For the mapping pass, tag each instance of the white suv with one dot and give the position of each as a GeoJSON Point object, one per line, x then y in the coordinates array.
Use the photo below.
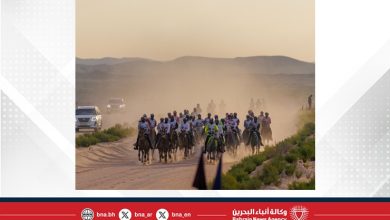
{"type": "Point", "coordinates": [88, 117]}
{"type": "Point", "coordinates": [116, 104]}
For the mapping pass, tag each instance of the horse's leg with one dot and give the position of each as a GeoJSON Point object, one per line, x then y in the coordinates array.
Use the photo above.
{"type": "Point", "coordinates": [146, 156]}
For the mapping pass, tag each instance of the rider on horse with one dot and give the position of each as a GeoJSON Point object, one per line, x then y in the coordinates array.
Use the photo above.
{"type": "Point", "coordinates": [198, 122]}
{"type": "Point", "coordinates": [206, 121]}
{"type": "Point", "coordinates": [152, 122]}
{"type": "Point", "coordinates": [185, 127]}
{"type": "Point", "coordinates": [210, 129]}
{"type": "Point", "coordinates": [237, 123]}
{"type": "Point", "coordinates": [247, 124]}
{"type": "Point", "coordinates": [266, 127]}
{"type": "Point", "coordinates": [143, 126]}
{"type": "Point", "coordinates": [165, 126]}
{"type": "Point", "coordinates": [173, 123]}
{"type": "Point", "coordinates": [221, 134]}
{"type": "Point", "coordinates": [159, 129]}
{"type": "Point", "coordinates": [261, 117]}
{"type": "Point", "coordinates": [254, 126]}
{"type": "Point", "coordinates": [232, 124]}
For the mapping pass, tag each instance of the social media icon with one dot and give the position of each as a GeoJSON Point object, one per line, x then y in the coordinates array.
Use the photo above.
{"type": "Point", "coordinates": [162, 214]}
{"type": "Point", "coordinates": [124, 214]}
{"type": "Point", "coordinates": [87, 214]}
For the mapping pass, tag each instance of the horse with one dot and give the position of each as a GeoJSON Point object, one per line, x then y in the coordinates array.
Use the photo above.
{"type": "Point", "coordinates": [255, 141]}
{"type": "Point", "coordinates": [221, 146]}
{"type": "Point", "coordinates": [143, 148]}
{"type": "Point", "coordinates": [163, 147]}
{"type": "Point", "coordinates": [245, 136]}
{"type": "Point", "coordinates": [231, 141]}
{"type": "Point", "coordinates": [211, 148]}
{"type": "Point", "coordinates": [198, 135]}
{"type": "Point", "coordinates": [174, 143]}
{"type": "Point", "coordinates": [153, 136]}
{"type": "Point", "coordinates": [266, 134]}
{"type": "Point", "coordinates": [184, 143]}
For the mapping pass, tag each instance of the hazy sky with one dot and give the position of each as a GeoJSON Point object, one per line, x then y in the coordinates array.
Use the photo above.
{"type": "Point", "coordinates": [166, 29]}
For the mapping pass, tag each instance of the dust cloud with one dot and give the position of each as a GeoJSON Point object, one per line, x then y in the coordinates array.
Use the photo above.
{"type": "Point", "coordinates": [179, 87]}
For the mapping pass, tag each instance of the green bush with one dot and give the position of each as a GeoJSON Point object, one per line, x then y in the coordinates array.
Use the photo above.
{"type": "Point", "coordinates": [252, 183]}
{"type": "Point", "coordinates": [270, 175]}
{"type": "Point", "coordinates": [229, 182]}
{"type": "Point", "coordinates": [259, 159]}
{"type": "Point", "coordinates": [120, 131]}
{"type": "Point", "coordinates": [291, 158]}
{"type": "Point", "coordinates": [240, 175]}
{"type": "Point", "coordinates": [86, 140]}
{"type": "Point", "coordinates": [280, 158]}
{"type": "Point", "coordinates": [298, 174]}
{"type": "Point", "coordinates": [303, 185]}
{"type": "Point", "coordinates": [109, 135]}
{"type": "Point", "coordinates": [290, 168]}
{"type": "Point", "coordinates": [104, 137]}
{"type": "Point", "coordinates": [307, 151]}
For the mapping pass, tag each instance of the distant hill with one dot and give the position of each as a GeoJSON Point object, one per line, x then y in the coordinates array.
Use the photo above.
{"type": "Point", "coordinates": [107, 61]}
{"type": "Point", "coordinates": [253, 65]}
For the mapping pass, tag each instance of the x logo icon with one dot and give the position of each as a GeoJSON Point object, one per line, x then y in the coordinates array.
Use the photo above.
{"type": "Point", "coordinates": [125, 215]}
{"type": "Point", "coordinates": [162, 215]}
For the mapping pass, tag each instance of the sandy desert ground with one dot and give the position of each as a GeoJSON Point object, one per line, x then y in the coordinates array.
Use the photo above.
{"type": "Point", "coordinates": [116, 166]}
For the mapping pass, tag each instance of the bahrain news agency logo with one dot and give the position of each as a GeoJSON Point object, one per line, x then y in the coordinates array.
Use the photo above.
{"type": "Point", "coordinates": [87, 214]}
{"type": "Point", "coordinates": [299, 213]}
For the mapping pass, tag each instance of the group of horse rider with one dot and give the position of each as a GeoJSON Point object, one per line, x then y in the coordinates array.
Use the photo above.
{"type": "Point", "coordinates": [194, 126]}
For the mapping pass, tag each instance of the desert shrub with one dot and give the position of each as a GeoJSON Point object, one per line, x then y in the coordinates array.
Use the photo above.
{"type": "Point", "coordinates": [86, 140]}
{"type": "Point", "coordinates": [291, 158]}
{"type": "Point", "coordinates": [269, 152]}
{"type": "Point", "coordinates": [229, 182]}
{"type": "Point", "coordinates": [280, 158]}
{"type": "Point", "coordinates": [298, 174]}
{"type": "Point", "coordinates": [104, 137]}
{"type": "Point", "coordinates": [249, 166]}
{"type": "Point", "coordinates": [307, 151]}
{"type": "Point", "coordinates": [240, 175]}
{"type": "Point", "coordinates": [303, 185]}
{"type": "Point", "coordinates": [252, 183]}
{"type": "Point", "coordinates": [259, 159]}
{"type": "Point", "coordinates": [270, 175]}
{"type": "Point", "coordinates": [290, 168]}
{"type": "Point", "coordinates": [109, 135]}
{"type": "Point", "coordinates": [120, 131]}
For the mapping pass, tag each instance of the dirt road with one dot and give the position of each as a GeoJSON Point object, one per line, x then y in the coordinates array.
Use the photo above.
{"type": "Point", "coordinates": [115, 166]}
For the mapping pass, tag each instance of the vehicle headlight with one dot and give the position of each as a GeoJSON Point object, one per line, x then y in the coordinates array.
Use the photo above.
{"type": "Point", "coordinates": [93, 118]}
{"type": "Point", "coordinates": [108, 106]}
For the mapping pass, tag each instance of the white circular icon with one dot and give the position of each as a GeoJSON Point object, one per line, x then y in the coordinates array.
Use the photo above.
{"type": "Point", "coordinates": [162, 214]}
{"type": "Point", "coordinates": [87, 214]}
{"type": "Point", "coordinates": [124, 214]}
